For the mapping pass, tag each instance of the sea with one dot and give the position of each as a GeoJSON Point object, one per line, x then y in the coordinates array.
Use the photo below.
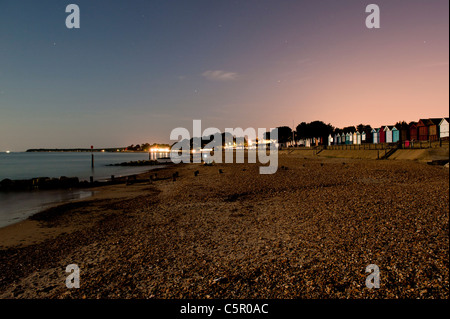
{"type": "Point", "coordinates": [17, 206]}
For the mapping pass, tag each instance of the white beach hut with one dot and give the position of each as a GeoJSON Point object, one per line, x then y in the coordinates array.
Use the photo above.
{"type": "Point", "coordinates": [444, 128]}
{"type": "Point", "coordinates": [363, 137]}
{"type": "Point", "coordinates": [307, 142]}
{"type": "Point", "coordinates": [358, 138]}
{"type": "Point", "coordinates": [388, 130]}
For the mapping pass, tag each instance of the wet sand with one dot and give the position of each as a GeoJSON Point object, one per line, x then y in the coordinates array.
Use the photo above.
{"type": "Point", "coordinates": [308, 231]}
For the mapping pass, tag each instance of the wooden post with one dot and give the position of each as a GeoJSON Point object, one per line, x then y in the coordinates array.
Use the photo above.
{"type": "Point", "coordinates": [92, 156]}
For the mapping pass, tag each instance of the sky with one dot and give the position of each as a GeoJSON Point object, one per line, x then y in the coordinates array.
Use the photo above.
{"type": "Point", "coordinates": [136, 69]}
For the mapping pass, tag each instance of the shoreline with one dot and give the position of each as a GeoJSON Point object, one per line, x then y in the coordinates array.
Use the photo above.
{"type": "Point", "coordinates": [265, 236]}
{"type": "Point", "coordinates": [32, 230]}
{"type": "Point", "coordinates": [94, 187]}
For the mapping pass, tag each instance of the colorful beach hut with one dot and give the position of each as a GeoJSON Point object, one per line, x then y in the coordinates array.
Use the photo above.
{"type": "Point", "coordinates": [348, 137]}
{"type": "Point", "coordinates": [375, 136]}
{"type": "Point", "coordinates": [354, 138]}
{"type": "Point", "coordinates": [395, 135]}
{"type": "Point", "coordinates": [382, 136]}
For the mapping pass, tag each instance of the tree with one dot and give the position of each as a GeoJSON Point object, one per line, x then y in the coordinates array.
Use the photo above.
{"type": "Point", "coordinates": [349, 129]}
{"type": "Point", "coordinates": [284, 134]}
{"type": "Point", "coordinates": [302, 130]}
{"type": "Point", "coordinates": [402, 125]}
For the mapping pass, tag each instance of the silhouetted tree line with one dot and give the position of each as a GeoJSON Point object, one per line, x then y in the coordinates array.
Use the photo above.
{"type": "Point", "coordinates": [144, 147]}
{"type": "Point", "coordinates": [318, 129]}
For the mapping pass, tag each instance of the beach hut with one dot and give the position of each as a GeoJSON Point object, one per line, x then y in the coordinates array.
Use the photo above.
{"type": "Point", "coordinates": [375, 136]}
{"type": "Point", "coordinates": [395, 135]}
{"type": "Point", "coordinates": [358, 138]}
{"type": "Point", "coordinates": [363, 137]}
{"type": "Point", "coordinates": [348, 137]}
{"type": "Point", "coordinates": [422, 129]}
{"type": "Point", "coordinates": [330, 140]}
{"type": "Point", "coordinates": [307, 142]}
{"type": "Point", "coordinates": [382, 136]}
{"type": "Point", "coordinates": [343, 138]}
{"type": "Point", "coordinates": [354, 138]}
{"type": "Point", "coordinates": [433, 129]}
{"type": "Point", "coordinates": [413, 136]}
{"type": "Point", "coordinates": [404, 135]}
{"type": "Point", "coordinates": [388, 132]}
{"type": "Point", "coordinates": [444, 128]}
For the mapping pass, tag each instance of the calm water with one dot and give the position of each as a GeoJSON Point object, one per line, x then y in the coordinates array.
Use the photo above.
{"type": "Point", "coordinates": [17, 206]}
{"type": "Point", "coordinates": [77, 164]}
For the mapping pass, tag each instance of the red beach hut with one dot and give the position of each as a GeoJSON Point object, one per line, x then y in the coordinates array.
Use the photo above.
{"type": "Point", "coordinates": [413, 132]}
{"type": "Point", "coordinates": [382, 134]}
{"type": "Point", "coordinates": [422, 129]}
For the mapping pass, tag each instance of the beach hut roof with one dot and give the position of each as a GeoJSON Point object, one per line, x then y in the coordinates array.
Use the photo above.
{"type": "Point", "coordinates": [445, 119]}
{"type": "Point", "coordinates": [424, 122]}
{"type": "Point", "coordinates": [436, 121]}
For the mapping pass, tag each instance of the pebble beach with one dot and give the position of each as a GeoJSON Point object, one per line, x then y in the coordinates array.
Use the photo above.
{"type": "Point", "coordinates": [308, 231]}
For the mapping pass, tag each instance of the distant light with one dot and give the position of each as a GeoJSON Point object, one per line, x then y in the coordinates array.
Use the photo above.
{"type": "Point", "coordinates": [160, 150]}
{"type": "Point", "coordinates": [7, 152]}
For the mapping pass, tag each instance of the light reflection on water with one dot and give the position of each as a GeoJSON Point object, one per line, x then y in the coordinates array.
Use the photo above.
{"type": "Point", "coordinates": [18, 206]}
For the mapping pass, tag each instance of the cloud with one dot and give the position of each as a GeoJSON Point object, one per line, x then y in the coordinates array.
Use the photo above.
{"type": "Point", "coordinates": [220, 75]}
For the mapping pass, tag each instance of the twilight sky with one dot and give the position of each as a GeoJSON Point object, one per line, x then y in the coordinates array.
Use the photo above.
{"type": "Point", "coordinates": [137, 69]}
